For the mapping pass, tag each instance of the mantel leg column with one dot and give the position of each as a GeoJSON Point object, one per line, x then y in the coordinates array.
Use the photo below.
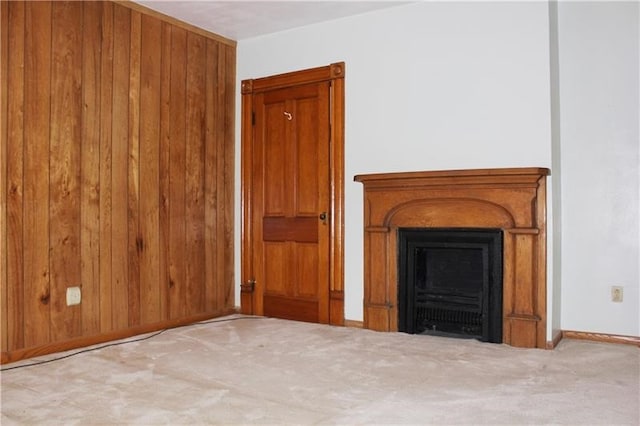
{"type": "Point", "coordinates": [376, 288]}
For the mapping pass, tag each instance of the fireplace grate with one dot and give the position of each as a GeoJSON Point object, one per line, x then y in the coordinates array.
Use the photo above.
{"type": "Point", "coordinates": [447, 320]}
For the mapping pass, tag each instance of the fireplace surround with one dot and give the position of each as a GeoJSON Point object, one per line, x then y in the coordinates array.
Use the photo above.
{"type": "Point", "coordinates": [512, 200]}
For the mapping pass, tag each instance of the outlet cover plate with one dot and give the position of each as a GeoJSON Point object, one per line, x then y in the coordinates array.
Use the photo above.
{"type": "Point", "coordinates": [74, 296]}
{"type": "Point", "coordinates": [617, 294]}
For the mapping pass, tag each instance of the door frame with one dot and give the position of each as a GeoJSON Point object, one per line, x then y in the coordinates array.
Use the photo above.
{"type": "Point", "coordinates": [334, 74]}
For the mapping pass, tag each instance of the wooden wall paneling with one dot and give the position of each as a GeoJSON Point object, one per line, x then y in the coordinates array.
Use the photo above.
{"type": "Point", "coordinates": [211, 248]}
{"type": "Point", "coordinates": [177, 162]}
{"type": "Point", "coordinates": [13, 97]}
{"type": "Point", "coordinates": [164, 170]}
{"type": "Point", "coordinates": [227, 281]}
{"type": "Point", "coordinates": [35, 261]}
{"type": "Point", "coordinates": [120, 167]}
{"type": "Point", "coordinates": [5, 184]}
{"type": "Point", "coordinates": [106, 170]}
{"type": "Point", "coordinates": [134, 160]}
{"type": "Point", "coordinates": [151, 286]}
{"type": "Point", "coordinates": [116, 174]}
{"type": "Point", "coordinates": [4, 23]}
{"type": "Point", "coordinates": [194, 179]}
{"type": "Point", "coordinates": [220, 167]}
{"type": "Point", "coordinates": [64, 167]}
{"type": "Point", "coordinates": [90, 167]}
{"type": "Point", "coordinates": [221, 136]}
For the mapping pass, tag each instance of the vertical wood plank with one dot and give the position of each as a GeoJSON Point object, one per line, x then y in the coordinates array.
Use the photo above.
{"type": "Point", "coordinates": [106, 164]}
{"type": "Point", "coordinates": [177, 246]}
{"type": "Point", "coordinates": [14, 146]}
{"type": "Point", "coordinates": [4, 51]}
{"type": "Point", "coordinates": [64, 171]}
{"type": "Point", "coordinates": [90, 168]}
{"type": "Point", "coordinates": [135, 242]}
{"type": "Point", "coordinates": [120, 167]}
{"type": "Point", "coordinates": [11, 209]}
{"type": "Point", "coordinates": [220, 137]}
{"type": "Point", "coordinates": [229, 164]}
{"type": "Point", "coordinates": [150, 71]}
{"type": "Point", "coordinates": [194, 180]}
{"type": "Point", "coordinates": [164, 169]}
{"type": "Point", "coordinates": [35, 262]}
{"type": "Point", "coordinates": [211, 172]}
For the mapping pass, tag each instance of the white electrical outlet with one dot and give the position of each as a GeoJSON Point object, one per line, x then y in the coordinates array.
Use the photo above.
{"type": "Point", "coordinates": [74, 296]}
{"type": "Point", "coordinates": [616, 293]}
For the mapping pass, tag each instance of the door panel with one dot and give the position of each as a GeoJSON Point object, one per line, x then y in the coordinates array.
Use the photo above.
{"type": "Point", "coordinates": [291, 183]}
{"type": "Point", "coordinates": [275, 170]}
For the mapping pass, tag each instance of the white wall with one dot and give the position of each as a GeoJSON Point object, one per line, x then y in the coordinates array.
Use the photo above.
{"type": "Point", "coordinates": [554, 206]}
{"type": "Point", "coordinates": [429, 86]}
{"type": "Point", "coordinates": [598, 45]}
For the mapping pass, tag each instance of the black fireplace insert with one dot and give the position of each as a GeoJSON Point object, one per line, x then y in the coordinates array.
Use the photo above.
{"type": "Point", "coordinates": [450, 282]}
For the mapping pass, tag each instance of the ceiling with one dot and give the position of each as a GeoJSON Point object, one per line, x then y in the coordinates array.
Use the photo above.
{"type": "Point", "coordinates": [241, 19]}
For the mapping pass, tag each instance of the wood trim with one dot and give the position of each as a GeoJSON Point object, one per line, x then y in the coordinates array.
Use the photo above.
{"type": "Point", "coordinates": [334, 73]}
{"type": "Point", "coordinates": [557, 337]}
{"type": "Point", "coordinates": [336, 161]}
{"type": "Point", "coordinates": [295, 78]}
{"type": "Point", "coordinates": [246, 190]}
{"type": "Point", "coordinates": [173, 21]}
{"type": "Point", "coordinates": [80, 342]}
{"type": "Point", "coordinates": [601, 337]}
{"type": "Point", "coordinates": [479, 176]}
{"type": "Point", "coordinates": [336, 306]}
{"type": "Point", "coordinates": [540, 258]}
{"type": "Point", "coordinates": [353, 323]}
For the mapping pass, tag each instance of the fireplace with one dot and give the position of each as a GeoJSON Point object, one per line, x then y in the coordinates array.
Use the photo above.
{"type": "Point", "coordinates": [450, 282]}
{"type": "Point", "coordinates": [511, 200]}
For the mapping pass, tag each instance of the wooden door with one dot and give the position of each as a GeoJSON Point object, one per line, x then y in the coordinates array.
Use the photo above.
{"type": "Point", "coordinates": [289, 203]}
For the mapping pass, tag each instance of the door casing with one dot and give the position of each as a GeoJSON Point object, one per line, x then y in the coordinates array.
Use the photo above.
{"type": "Point", "coordinates": [334, 74]}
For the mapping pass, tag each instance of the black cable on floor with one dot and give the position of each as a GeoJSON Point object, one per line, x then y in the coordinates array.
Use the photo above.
{"type": "Point", "coordinates": [141, 339]}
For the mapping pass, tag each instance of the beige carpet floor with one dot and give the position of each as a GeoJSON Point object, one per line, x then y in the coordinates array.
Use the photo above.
{"type": "Point", "coordinates": [269, 371]}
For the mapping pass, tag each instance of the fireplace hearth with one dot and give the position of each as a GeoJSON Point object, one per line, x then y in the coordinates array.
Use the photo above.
{"type": "Point", "coordinates": [450, 282]}
{"type": "Point", "coordinates": [512, 200]}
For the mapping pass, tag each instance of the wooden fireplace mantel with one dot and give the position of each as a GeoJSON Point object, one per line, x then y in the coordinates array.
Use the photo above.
{"type": "Point", "coordinates": [513, 200]}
